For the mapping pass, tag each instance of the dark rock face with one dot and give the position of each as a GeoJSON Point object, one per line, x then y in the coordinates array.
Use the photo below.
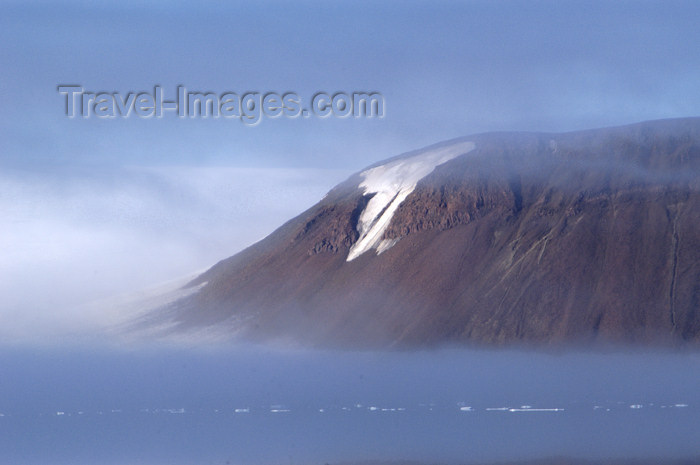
{"type": "Point", "coordinates": [528, 238]}
{"type": "Point", "coordinates": [334, 227]}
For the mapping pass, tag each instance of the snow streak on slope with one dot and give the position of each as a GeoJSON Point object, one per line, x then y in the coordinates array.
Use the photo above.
{"type": "Point", "coordinates": [392, 183]}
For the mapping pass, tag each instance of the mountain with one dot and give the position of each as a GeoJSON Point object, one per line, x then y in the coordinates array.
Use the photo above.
{"type": "Point", "coordinates": [498, 238]}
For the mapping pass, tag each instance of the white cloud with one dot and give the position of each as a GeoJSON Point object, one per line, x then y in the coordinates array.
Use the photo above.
{"type": "Point", "coordinates": [65, 242]}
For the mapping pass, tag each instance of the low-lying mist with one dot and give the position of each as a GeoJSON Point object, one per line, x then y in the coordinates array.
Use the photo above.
{"type": "Point", "coordinates": [72, 237]}
{"type": "Point", "coordinates": [258, 405]}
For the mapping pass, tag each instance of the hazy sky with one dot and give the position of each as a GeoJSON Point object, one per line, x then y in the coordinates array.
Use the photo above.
{"type": "Point", "coordinates": [92, 207]}
{"type": "Point", "coordinates": [446, 69]}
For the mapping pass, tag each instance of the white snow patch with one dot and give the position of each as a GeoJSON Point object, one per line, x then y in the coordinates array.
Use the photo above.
{"type": "Point", "coordinates": [392, 183]}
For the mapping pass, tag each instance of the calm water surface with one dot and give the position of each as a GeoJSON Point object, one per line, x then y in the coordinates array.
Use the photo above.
{"type": "Point", "coordinates": [251, 405]}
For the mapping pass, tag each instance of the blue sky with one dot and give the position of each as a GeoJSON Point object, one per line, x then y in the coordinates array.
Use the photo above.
{"type": "Point", "coordinates": [93, 207]}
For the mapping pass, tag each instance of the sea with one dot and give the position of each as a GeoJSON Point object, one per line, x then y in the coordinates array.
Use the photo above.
{"type": "Point", "coordinates": [257, 405]}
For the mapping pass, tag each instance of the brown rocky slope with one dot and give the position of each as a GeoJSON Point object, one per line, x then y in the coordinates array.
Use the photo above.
{"type": "Point", "coordinates": [524, 238]}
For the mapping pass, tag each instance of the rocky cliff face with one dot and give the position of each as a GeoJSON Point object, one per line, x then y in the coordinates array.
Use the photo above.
{"type": "Point", "coordinates": [495, 239]}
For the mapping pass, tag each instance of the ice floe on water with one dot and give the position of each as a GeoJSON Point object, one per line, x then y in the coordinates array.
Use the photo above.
{"type": "Point", "coordinates": [279, 409]}
{"type": "Point", "coordinates": [523, 408]}
{"type": "Point", "coordinates": [530, 409]}
{"type": "Point", "coordinates": [370, 408]}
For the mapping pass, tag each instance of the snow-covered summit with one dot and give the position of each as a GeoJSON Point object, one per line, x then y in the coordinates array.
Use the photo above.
{"type": "Point", "coordinates": [392, 183]}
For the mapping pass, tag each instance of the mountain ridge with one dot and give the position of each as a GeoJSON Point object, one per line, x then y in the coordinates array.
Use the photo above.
{"type": "Point", "coordinates": [537, 238]}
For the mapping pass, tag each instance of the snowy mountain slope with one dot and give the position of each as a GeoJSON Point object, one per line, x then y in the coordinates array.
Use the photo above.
{"type": "Point", "coordinates": [495, 238]}
{"type": "Point", "coordinates": [389, 185]}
